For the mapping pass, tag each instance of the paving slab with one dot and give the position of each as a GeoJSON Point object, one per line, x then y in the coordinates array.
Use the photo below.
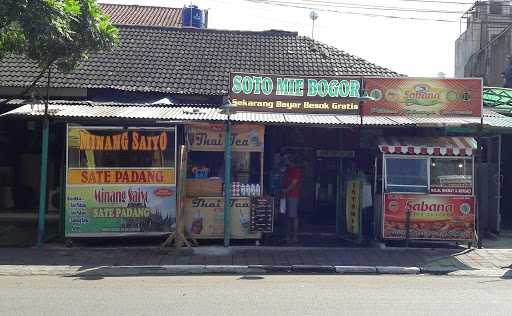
{"type": "Point", "coordinates": [27, 261]}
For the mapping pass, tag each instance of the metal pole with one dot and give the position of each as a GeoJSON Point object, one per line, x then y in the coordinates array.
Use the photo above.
{"type": "Point", "coordinates": [44, 168]}
{"type": "Point", "coordinates": [478, 212]}
{"type": "Point", "coordinates": [407, 228]}
{"type": "Point", "coordinates": [227, 183]}
{"type": "Point", "coordinates": [42, 185]}
{"type": "Point", "coordinates": [361, 103]}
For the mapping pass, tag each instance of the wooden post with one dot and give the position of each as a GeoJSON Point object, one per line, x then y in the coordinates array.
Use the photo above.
{"type": "Point", "coordinates": [179, 235]}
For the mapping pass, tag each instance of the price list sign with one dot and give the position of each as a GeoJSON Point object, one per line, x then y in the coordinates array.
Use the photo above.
{"type": "Point", "coordinates": [262, 214]}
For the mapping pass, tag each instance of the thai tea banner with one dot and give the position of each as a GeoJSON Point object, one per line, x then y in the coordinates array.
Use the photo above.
{"type": "Point", "coordinates": [431, 217]}
{"type": "Point", "coordinates": [424, 97]}
{"type": "Point", "coordinates": [204, 217]}
{"type": "Point", "coordinates": [211, 137]}
{"type": "Point", "coordinates": [294, 94]}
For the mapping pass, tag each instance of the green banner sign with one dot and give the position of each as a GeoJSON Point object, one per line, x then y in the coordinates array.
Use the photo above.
{"type": "Point", "coordinates": [294, 94]}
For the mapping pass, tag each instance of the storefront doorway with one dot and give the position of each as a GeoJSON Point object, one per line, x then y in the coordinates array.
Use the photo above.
{"type": "Point", "coordinates": [325, 165]}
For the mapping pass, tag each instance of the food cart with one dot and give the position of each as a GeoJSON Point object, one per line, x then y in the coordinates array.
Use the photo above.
{"type": "Point", "coordinates": [425, 188]}
{"type": "Point", "coordinates": [204, 205]}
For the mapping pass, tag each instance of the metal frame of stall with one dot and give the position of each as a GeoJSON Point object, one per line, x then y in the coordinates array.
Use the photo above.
{"type": "Point", "coordinates": [228, 131]}
{"type": "Point", "coordinates": [409, 151]}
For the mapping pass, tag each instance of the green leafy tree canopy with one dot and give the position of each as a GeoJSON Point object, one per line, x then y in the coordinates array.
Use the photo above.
{"type": "Point", "coordinates": [54, 32]}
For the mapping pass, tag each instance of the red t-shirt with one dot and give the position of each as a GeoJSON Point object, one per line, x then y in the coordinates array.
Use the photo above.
{"type": "Point", "coordinates": [292, 173]}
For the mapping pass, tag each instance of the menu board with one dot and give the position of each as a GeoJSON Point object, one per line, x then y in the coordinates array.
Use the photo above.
{"type": "Point", "coordinates": [262, 214]}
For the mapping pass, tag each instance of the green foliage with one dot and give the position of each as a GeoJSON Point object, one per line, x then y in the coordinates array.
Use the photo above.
{"type": "Point", "coordinates": [60, 32]}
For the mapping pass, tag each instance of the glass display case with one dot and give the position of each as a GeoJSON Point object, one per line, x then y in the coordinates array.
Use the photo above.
{"type": "Point", "coordinates": [428, 197]}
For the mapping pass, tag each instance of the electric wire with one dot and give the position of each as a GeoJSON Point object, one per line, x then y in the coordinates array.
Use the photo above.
{"type": "Point", "coordinates": [364, 6]}
{"type": "Point", "coordinates": [303, 5]}
{"type": "Point", "coordinates": [350, 12]}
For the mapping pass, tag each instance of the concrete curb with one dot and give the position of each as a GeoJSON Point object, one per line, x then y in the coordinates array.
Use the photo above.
{"type": "Point", "coordinates": [174, 270]}
{"type": "Point", "coordinates": [397, 270]}
{"type": "Point", "coordinates": [437, 271]}
{"type": "Point", "coordinates": [356, 270]}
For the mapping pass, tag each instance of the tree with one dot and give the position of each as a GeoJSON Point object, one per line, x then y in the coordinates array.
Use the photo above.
{"type": "Point", "coordinates": [54, 32]}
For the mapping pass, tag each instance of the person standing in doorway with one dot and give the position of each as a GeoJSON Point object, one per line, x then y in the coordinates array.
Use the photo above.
{"type": "Point", "coordinates": [276, 189]}
{"type": "Point", "coordinates": [291, 190]}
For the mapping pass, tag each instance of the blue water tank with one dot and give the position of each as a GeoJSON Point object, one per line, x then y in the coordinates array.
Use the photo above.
{"type": "Point", "coordinates": [192, 16]}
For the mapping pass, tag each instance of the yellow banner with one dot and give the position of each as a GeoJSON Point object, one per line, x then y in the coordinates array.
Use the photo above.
{"type": "Point", "coordinates": [353, 206]}
{"type": "Point", "coordinates": [121, 176]}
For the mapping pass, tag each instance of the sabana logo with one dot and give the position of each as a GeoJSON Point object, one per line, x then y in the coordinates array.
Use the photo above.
{"type": "Point", "coordinates": [423, 95]}
{"type": "Point", "coordinates": [428, 207]}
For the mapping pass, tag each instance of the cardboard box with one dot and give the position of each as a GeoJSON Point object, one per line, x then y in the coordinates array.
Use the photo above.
{"type": "Point", "coordinates": [204, 187]}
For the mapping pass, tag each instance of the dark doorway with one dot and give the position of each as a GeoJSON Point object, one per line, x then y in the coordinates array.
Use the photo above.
{"type": "Point", "coordinates": [322, 177]}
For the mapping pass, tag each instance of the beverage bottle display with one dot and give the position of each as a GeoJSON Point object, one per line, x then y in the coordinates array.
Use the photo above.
{"type": "Point", "coordinates": [258, 189]}
{"type": "Point", "coordinates": [233, 189]}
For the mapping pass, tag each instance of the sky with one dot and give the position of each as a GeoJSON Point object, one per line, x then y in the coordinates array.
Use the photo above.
{"type": "Point", "coordinates": [418, 48]}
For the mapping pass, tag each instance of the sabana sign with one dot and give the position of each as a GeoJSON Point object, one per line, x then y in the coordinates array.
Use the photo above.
{"type": "Point", "coordinates": [256, 92]}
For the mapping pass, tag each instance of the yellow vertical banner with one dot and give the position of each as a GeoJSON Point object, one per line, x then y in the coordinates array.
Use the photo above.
{"type": "Point", "coordinates": [353, 206]}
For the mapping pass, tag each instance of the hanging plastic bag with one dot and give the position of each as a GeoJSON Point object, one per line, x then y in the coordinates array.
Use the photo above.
{"type": "Point", "coordinates": [282, 205]}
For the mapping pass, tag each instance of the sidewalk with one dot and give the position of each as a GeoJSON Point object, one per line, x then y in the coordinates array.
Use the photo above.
{"type": "Point", "coordinates": [57, 260]}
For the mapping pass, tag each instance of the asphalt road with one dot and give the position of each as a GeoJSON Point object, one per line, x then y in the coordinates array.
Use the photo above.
{"type": "Point", "coordinates": [268, 295]}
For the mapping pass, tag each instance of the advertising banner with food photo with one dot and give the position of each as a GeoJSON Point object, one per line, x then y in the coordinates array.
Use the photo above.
{"type": "Point", "coordinates": [211, 137]}
{"type": "Point", "coordinates": [120, 181]}
{"type": "Point", "coordinates": [424, 97]}
{"type": "Point", "coordinates": [294, 94]}
{"type": "Point", "coordinates": [431, 217]}
{"type": "Point", "coordinates": [204, 218]}
{"type": "Point", "coordinates": [120, 209]}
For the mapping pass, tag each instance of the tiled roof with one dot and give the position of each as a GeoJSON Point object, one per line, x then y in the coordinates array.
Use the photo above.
{"type": "Point", "coordinates": [195, 62]}
{"type": "Point", "coordinates": [142, 15]}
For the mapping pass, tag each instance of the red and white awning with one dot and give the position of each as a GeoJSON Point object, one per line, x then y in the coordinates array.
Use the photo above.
{"type": "Point", "coordinates": [433, 146]}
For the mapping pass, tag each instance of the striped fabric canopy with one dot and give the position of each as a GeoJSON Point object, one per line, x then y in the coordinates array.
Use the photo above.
{"type": "Point", "coordinates": [434, 146]}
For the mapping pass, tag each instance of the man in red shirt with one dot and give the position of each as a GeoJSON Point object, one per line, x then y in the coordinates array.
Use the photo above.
{"type": "Point", "coordinates": [291, 190]}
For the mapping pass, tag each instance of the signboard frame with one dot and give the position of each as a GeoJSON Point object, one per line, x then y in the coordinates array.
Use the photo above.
{"type": "Point", "coordinates": [120, 128]}
{"type": "Point", "coordinates": [448, 222]}
{"type": "Point", "coordinates": [253, 145]}
{"type": "Point", "coordinates": [424, 97]}
{"type": "Point", "coordinates": [294, 93]}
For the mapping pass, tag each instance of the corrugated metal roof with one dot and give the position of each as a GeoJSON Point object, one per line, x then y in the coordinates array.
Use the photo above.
{"type": "Point", "coordinates": [381, 121]}
{"type": "Point", "coordinates": [258, 117]}
{"type": "Point", "coordinates": [445, 121]}
{"type": "Point", "coordinates": [321, 119]}
{"type": "Point", "coordinates": [491, 113]}
{"type": "Point", "coordinates": [498, 122]}
{"type": "Point", "coordinates": [117, 111]}
{"type": "Point", "coordinates": [190, 112]}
